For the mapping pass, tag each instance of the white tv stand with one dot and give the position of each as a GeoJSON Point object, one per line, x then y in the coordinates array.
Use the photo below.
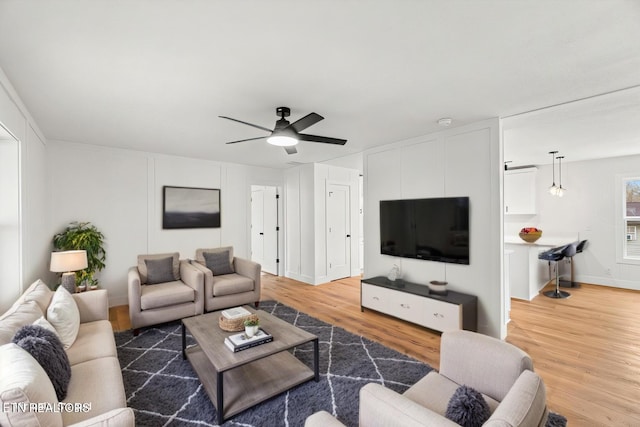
{"type": "Point", "coordinates": [414, 303]}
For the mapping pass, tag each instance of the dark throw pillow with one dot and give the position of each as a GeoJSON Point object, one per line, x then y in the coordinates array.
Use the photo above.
{"type": "Point", "coordinates": [159, 270]}
{"type": "Point", "coordinates": [218, 262]}
{"type": "Point", "coordinates": [467, 407]}
{"type": "Point", "coordinates": [47, 349]}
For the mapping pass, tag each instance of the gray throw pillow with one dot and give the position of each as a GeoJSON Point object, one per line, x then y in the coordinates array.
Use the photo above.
{"type": "Point", "coordinates": [218, 262]}
{"type": "Point", "coordinates": [44, 346]}
{"type": "Point", "coordinates": [159, 270]}
{"type": "Point", "coordinates": [467, 407]}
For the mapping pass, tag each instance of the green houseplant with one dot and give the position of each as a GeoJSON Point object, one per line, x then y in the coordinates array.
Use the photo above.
{"type": "Point", "coordinates": [83, 236]}
{"type": "Point", "coordinates": [251, 325]}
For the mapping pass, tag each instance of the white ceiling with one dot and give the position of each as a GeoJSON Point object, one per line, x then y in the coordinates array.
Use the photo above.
{"type": "Point", "coordinates": [153, 75]}
{"type": "Point", "coordinates": [593, 128]}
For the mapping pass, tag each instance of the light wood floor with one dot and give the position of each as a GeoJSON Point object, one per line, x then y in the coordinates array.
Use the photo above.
{"type": "Point", "coordinates": [586, 348]}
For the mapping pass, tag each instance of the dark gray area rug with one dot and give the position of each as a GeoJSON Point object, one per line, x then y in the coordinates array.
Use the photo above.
{"type": "Point", "coordinates": [163, 390]}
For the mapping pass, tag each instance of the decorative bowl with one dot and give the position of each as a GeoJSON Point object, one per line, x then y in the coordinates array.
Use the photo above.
{"type": "Point", "coordinates": [437, 287]}
{"type": "Point", "coordinates": [530, 234]}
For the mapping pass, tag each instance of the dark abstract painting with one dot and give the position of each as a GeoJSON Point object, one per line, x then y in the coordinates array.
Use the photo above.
{"type": "Point", "coordinates": [185, 207]}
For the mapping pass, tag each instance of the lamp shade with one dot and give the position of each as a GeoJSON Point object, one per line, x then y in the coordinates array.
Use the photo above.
{"type": "Point", "coordinates": [62, 262]}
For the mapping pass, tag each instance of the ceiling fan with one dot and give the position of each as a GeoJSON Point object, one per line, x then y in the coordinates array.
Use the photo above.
{"type": "Point", "coordinates": [286, 134]}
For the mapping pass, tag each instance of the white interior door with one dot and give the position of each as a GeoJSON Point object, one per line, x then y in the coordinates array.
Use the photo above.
{"type": "Point", "coordinates": [257, 225]}
{"type": "Point", "coordinates": [264, 228]}
{"type": "Point", "coordinates": [270, 223]}
{"type": "Point", "coordinates": [338, 231]}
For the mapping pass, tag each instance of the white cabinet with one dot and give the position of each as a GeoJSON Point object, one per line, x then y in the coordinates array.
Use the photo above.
{"type": "Point", "coordinates": [413, 303]}
{"type": "Point", "coordinates": [520, 191]}
{"type": "Point", "coordinates": [376, 298]}
{"type": "Point", "coordinates": [442, 316]}
{"type": "Point", "coordinates": [402, 305]}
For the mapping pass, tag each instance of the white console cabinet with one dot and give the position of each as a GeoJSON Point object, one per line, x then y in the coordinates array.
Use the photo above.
{"type": "Point", "coordinates": [414, 303]}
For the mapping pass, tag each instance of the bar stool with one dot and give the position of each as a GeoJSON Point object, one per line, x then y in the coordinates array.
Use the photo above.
{"type": "Point", "coordinates": [571, 283]}
{"type": "Point", "coordinates": [554, 255]}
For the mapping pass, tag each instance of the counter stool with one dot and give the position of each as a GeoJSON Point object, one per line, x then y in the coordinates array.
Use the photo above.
{"type": "Point", "coordinates": [571, 283]}
{"type": "Point", "coordinates": [554, 255]}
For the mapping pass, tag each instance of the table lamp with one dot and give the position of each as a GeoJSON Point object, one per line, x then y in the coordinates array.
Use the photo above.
{"type": "Point", "coordinates": [67, 263]}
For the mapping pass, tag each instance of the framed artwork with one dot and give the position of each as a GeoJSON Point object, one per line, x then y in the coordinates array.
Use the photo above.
{"type": "Point", "coordinates": [186, 207]}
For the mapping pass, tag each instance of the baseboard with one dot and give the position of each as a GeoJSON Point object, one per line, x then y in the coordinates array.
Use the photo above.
{"type": "Point", "coordinates": [118, 301]}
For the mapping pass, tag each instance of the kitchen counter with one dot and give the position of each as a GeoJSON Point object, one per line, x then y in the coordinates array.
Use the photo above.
{"type": "Point", "coordinates": [528, 274]}
{"type": "Point", "coordinates": [551, 241]}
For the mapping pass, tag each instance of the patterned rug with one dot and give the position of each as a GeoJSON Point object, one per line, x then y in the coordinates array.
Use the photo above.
{"type": "Point", "coordinates": [163, 390]}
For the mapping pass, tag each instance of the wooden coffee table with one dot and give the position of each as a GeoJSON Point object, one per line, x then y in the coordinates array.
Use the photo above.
{"type": "Point", "coordinates": [238, 381]}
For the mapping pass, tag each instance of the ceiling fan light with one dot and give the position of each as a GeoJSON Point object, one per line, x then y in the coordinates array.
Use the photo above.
{"type": "Point", "coordinates": [282, 140]}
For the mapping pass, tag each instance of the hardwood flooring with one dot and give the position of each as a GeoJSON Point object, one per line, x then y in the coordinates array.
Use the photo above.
{"type": "Point", "coordinates": [586, 348]}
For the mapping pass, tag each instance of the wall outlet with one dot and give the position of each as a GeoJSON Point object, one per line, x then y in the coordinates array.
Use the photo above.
{"type": "Point", "coordinates": [607, 272]}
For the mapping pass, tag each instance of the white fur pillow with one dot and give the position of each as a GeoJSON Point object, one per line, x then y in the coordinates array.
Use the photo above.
{"type": "Point", "coordinates": [64, 315]}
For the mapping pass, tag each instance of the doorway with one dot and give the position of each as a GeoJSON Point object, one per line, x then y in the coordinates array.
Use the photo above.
{"type": "Point", "coordinates": [265, 228]}
{"type": "Point", "coordinates": [338, 202]}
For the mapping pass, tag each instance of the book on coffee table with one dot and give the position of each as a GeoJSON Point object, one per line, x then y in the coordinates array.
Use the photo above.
{"type": "Point", "coordinates": [241, 341]}
{"type": "Point", "coordinates": [235, 313]}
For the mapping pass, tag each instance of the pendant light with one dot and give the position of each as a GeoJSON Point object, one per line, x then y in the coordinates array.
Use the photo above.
{"type": "Point", "coordinates": [553, 190]}
{"type": "Point", "coordinates": [560, 191]}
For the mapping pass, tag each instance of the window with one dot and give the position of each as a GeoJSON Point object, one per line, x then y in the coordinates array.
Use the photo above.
{"type": "Point", "coordinates": [631, 218]}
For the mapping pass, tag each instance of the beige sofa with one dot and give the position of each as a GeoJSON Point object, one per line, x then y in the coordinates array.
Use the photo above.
{"type": "Point", "coordinates": [240, 287]}
{"type": "Point", "coordinates": [95, 395]}
{"type": "Point", "coordinates": [503, 373]}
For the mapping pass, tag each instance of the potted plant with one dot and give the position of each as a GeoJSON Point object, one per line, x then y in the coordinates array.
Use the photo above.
{"type": "Point", "coordinates": [84, 235]}
{"type": "Point", "coordinates": [251, 325]}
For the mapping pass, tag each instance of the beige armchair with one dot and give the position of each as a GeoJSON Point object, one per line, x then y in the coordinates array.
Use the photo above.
{"type": "Point", "coordinates": [503, 373]}
{"type": "Point", "coordinates": [228, 281]}
{"type": "Point", "coordinates": [164, 288]}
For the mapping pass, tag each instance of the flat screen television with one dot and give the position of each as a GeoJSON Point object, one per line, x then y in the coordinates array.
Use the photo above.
{"type": "Point", "coordinates": [435, 229]}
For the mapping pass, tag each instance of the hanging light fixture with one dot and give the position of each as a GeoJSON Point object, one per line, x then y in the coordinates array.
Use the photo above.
{"type": "Point", "coordinates": [553, 190]}
{"type": "Point", "coordinates": [560, 191]}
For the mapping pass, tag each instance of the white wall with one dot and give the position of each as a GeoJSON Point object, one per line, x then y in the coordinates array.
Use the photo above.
{"type": "Point", "coordinates": [34, 250]}
{"type": "Point", "coordinates": [352, 161]}
{"type": "Point", "coordinates": [299, 196]}
{"type": "Point", "coordinates": [305, 220]}
{"type": "Point", "coordinates": [10, 271]}
{"type": "Point", "coordinates": [120, 191]}
{"type": "Point", "coordinates": [464, 161]}
{"type": "Point", "coordinates": [587, 209]}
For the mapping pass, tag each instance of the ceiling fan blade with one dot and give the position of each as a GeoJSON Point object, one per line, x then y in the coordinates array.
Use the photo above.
{"type": "Point", "coordinates": [248, 139]}
{"type": "Point", "coordinates": [308, 120]}
{"type": "Point", "coordinates": [245, 123]}
{"type": "Point", "coordinates": [290, 150]}
{"type": "Point", "coordinates": [324, 139]}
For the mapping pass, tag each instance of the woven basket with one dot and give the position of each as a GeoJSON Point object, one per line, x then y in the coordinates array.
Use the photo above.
{"type": "Point", "coordinates": [232, 325]}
